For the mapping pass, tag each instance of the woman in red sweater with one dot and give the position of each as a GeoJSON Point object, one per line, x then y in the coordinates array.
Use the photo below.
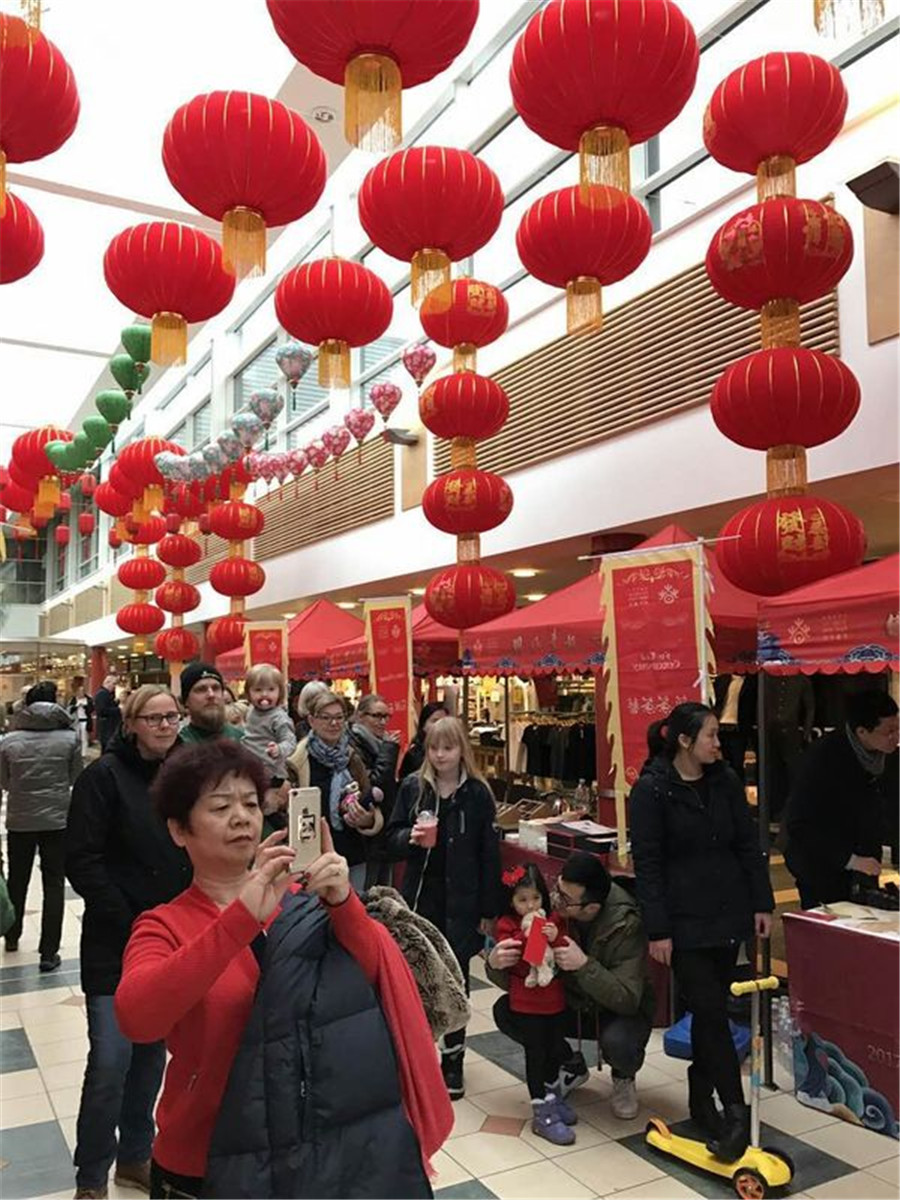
{"type": "Point", "coordinates": [192, 967]}
{"type": "Point", "coordinates": [537, 996]}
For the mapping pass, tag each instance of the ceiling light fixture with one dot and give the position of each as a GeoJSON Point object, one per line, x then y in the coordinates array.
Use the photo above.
{"type": "Point", "coordinates": [347, 603]}
{"type": "Point", "coordinates": [535, 596]}
{"type": "Point", "coordinates": [419, 591]}
{"type": "Point", "coordinates": [288, 616]}
{"type": "Point", "coordinates": [524, 572]}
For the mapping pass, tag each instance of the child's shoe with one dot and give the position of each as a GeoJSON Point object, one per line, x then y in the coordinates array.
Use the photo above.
{"type": "Point", "coordinates": [547, 1123]}
{"type": "Point", "coordinates": [566, 1112]}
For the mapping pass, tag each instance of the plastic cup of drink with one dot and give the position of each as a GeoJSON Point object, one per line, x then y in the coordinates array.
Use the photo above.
{"type": "Point", "coordinates": [428, 823]}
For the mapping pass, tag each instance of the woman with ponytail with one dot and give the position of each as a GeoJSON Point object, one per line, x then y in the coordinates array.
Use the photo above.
{"type": "Point", "coordinates": [703, 885]}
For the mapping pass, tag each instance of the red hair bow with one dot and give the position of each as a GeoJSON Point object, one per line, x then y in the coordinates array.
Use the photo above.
{"type": "Point", "coordinates": [513, 876]}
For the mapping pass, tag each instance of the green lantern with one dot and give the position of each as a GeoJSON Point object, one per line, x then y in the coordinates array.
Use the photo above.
{"type": "Point", "coordinates": [82, 450]}
{"type": "Point", "coordinates": [114, 406]}
{"type": "Point", "coordinates": [128, 374]}
{"type": "Point", "coordinates": [98, 431]}
{"type": "Point", "coordinates": [58, 453]}
{"type": "Point", "coordinates": [136, 340]}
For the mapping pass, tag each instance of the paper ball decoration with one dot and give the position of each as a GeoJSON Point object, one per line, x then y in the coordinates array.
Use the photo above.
{"type": "Point", "coordinates": [469, 594]}
{"type": "Point", "coordinates": [464, 405]}
{"type": "Point", "coordinates": [467, 501]}
{"type": "Point", "coordinates": [21, 240]}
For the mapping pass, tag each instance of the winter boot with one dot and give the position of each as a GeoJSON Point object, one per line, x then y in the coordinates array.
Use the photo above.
{"type": "Point", "coordinates": [452, 1070]}
{"type": "Point", "coordinates": [547, 1123]}
{"type": "Point", "coordinates": [702, 1103]}
{"type": "Point", "coordinates": [735, 1137]}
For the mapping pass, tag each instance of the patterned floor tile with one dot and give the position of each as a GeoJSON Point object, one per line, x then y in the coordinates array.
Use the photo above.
{"type": "Point", "coordinates": [39, 1161]}
{"type": "Point", "coordinates": [15, 1051]}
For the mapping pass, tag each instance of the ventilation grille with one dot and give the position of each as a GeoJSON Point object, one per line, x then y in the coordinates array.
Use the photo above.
{"type": "Point", "coordinates": [658, 354]}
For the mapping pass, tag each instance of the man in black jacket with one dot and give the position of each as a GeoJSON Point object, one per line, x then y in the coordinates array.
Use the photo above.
{"type": "Point", "coordinates": [843, 807]}
{"type": "Point", "coordinates": [106, 710]}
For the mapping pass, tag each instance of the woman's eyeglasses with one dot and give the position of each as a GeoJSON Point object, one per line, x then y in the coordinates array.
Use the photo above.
{"type": "Point", "coordinates": [379, 716]}
{"type": "Point", "coordinates": [157, 720]}
{"type": "Point", "coordinates": [329, 720]}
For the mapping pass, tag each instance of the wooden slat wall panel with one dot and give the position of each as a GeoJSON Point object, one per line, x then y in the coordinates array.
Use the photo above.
{"type": "Point", "coordinates": [89, 604]}
{"type": "Point", "coordinates": [119, 596]}
{"type": "Point", "coordinates": [59, 618]}
{"type": "Point", "coordinates": [658, 354]}
{"type": "Point", "coordinates": [214, 550]}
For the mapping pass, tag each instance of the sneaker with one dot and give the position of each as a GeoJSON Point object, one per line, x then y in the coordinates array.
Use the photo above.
{"type": "Point", "coordinates": [572, 1074]}
{"type": "Point", "coordinates": [547, 1123]}
{"type": "Point", "coordinates": [11, 946]}
{"type": "Point", "coordinates": [133, 1175]}
{"type": "Point", "coordinates": [53, 963]}
{"type": "Point", "coordinates": [566, 1112]}
{"type": "Point", "coordinates": [99, 1193]}
{"type": "Point", "coordinates": [452, 1070]}
{"type": "Point", "coordinates": [624, 1102]}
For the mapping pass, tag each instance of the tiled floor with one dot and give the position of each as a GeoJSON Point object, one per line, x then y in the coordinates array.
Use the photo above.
{"type": "Point", "coordinates": [491, 1152]}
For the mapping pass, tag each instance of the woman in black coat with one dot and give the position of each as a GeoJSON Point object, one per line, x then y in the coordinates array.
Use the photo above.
{"type": "Point", "coordinates": [379, 748]}
{"type": "Point", "coordinates": [703, 884]}
{"type": "Point", "coordinates": [454, 883]}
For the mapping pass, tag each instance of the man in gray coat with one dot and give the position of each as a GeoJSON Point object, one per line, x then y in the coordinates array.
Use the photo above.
{"type": "Point", "coordinates": [39, 761]}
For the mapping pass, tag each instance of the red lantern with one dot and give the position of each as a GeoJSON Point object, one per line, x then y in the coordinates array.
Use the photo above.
{"type": "Point", "coordinates": [140, 619]}
{"type": "Point", "coordinates": [178, 550]}
{"type": "Point", "coordinates": [87, 523]}
{"type": "Point", "coordinates": [334, 304]}
{"type": "Point", "coordinates": [114, 539]}
{"type": "Point", "coordinates": [236, 521]}
{"type": "Point", "coordinates": [237, 577]}
{"type": "Point", "coordinates": [249, 162]}
{"type": "Point", "coordinates": [119, 481]}
{"type": "Point", "coordinates": [21, 240]}
{"type": "Point", "coordinates": [65, 503]}
{"type": "Point", "coordinates": [374, 49]}
{"type": "Point", "coordinates": [110, 501]}
{"type": "Point", "coordinates": [772, 113]}
{"type": "Point", "coordinates": [171, 273]}
{"type": "Point", "coordinates": [185, 502]}
{"type": "Point", "coordinates": [176, 645]}
{"type": "Point", "coordinates": [788, 542]}
{"type": "Point", "coordinates": [62, 535]}
{"type": "Point", "coordinates": [145, 533]}
{"type": "Point", "coordinates": [203, 524]}
{"type": "Point", "coordinates": [137, 462]}
{"type": "Point", "coordinates": [430, 206]}
{"type": "Point", "coordinates": [600, 76]}
{"type": "Point", "coordinates": [464, 405]}
{"type": "Point", "coordinates": [173, 522]}
{"type": "Point", "coordinates": [88, 484]}
{"type": "Point", "coordinates": [464, 315]}
{"type": "Point", "coordinates": [176, 596]}
{"type": "Point", "coordinates": [225, 633]}
{"type": "Point", "coordinates": [777, 255]}
{"type": "Point", "coordinates": [17, 498]}
{"type": "Point", "coordinates": [28, 457]}
{"type": "Point", "coordinates": [468, 594]}
{"type": "Point", "coordinates": [38, 98]}
{"type": "Point", "coordinates": [582, 246]}
{"type": "Point", "coordinates": [467, 502]}
{"type": "Point", "coordinates": [141, 573]}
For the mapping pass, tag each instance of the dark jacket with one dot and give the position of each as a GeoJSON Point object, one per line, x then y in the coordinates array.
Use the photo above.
{"type": "Point", "coordinates": [119, 858]}
{"type": "Point", "coordinates": [381, 764]}
{"type": "Point", "coordinates": [413, 758]}
{"type": "Point", "coordinates": [835, 809]}
{"type": "Point", "coordinates": [306, 771]}
{"type": "Point", "coordinates": [471, 846]}
{"type": "Point", "coordinates": [313, 1104]}
{"type": "Point", "coordinates": [699, 871]}
{"type": "Point", "coordinates": [108, 714]}
{"type": "Point", "coordinates": [39, 761]}
{"type": "Point", "coordinates": [615, 979]}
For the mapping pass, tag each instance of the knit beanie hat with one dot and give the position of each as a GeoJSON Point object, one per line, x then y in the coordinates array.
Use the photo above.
{"type": "Point", "coordinates": [193, 673]}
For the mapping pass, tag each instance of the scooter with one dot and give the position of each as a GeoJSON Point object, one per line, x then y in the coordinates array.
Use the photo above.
{"type": "Point", "coordinates": [759, 1169]}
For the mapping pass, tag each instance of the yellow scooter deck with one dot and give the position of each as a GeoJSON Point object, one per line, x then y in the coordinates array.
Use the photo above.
{"type": "Point", "coordinates": [752, 1174]}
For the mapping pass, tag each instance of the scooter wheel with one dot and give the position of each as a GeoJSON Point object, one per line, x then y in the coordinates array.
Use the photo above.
{"type": "Point", "coordinates": [749, 1184]}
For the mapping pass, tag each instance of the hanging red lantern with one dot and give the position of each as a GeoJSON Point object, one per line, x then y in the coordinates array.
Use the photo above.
{"type": "Point", "coordinates": [178, 550]}
{"type": "Point", "coordinates": [469, 594]}
{"type": "Point", "coordinates": [463, 502]}
{"type": "Point", "coordinates": [237, 577]}
{"type": "Point", "coordinates": [62, 535]}
{"type": "Point", "coordinates": [137, 463]}
{"type": "Point", "coordinates": [145, 533]}
{"type": "Point", "coordinates": [65, 503]}
{"type": "Point", "coordinates": [374, 50]}
{"type": "Point", "coordinates": [140, 619]}
{"type": "Point", "coordinates": [776, 256]}
{"type": "Point", "coordinates": [176, 596]}
{"type": "Point", "coordinates": [772, 113]}
{"type": "Point", "coordinates": [787, 542]}
{"type": "Point", "coordinates": [334, 304]}
{"type": "Point", "coordinates": [203, 524]}
{"type": "Point", "coordinates": [110, 501]}
{"type": "Point", "coordinates": [29, 457]}
{"type": "Point", "coordinates": [248, 161]}
{"type": "Point", "coordinates": [184, 502]}
{"type": "Point", "coordinates": [173, 522]}
{"type": "Point", "coordinates": [141, 573]}
{"type": "Point", "coordinates": [225, 633]}
{"type": "Point", "coordinates": [464, 315]}
{"type": "Point", "coordinates": [582, 247]}
{"type": "Point", "coordinates": [38, 97]}
{"type": "Point", "coordinates": [87, 523]}
{"type": "Point", "coordinates": [600, 76]}
{"type": "Point", "coordinates": [17, 498]}
{"type": "Point", "coordinates": [430, 206]}
{"type": "Point", "coordinates": [87, 483]}
{"type": "Point", "coordinates": [464, 405]}
{"type": "Point", "coordinates": [21, 240]}
{"type": "Point", "coordinates": [171, 273]}
{"type": "Point", "coordinates": [176, 645]}
{"type": "Point", "coordinates": [114, 540]}
{"type": "Point", "coordinates": [236, 521]}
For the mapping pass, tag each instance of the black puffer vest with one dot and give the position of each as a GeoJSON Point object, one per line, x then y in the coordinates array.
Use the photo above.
{"type": "Point", "coordinates": [313, 1105]}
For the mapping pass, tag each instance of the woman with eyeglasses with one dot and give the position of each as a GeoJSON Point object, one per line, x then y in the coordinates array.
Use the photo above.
{"type": "Point", "coordinates": [121, 860]}
{"type": "Point", "coordinates": [328, 760]}
{"type": "Point", "coordinates": [379, 748]}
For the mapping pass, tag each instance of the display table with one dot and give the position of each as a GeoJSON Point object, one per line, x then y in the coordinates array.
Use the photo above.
{"type": "Point", "coordinates": [844, 963]}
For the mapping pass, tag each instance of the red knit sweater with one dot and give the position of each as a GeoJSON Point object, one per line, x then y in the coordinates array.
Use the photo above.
{"type": "Point", "coordinates": [189, 976]}
{"type": "Point", "coordinates": [544, 1001]}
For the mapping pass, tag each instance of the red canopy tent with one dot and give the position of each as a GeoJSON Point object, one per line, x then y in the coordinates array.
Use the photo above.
{"type": "Point", "coordinates": [562, 633]}
{"type": "Point", "coordinates": [847, 623]}
{"type": "Point", "coordinates": [435, 650]}
{"type": "Point", "coordinates": [310, 634]}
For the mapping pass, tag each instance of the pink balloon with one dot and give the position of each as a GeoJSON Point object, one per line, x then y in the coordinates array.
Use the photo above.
{"type": "Point", "coordinates": [336, 440]}
{"type": "Point", "coordinates": [385, 397]}
{"type": "Point", "coordinates": [359, 421]}
{"type": "Point", "coordinates": [419, 360]}
{"type": "Point", "coordinates": [317, 454]}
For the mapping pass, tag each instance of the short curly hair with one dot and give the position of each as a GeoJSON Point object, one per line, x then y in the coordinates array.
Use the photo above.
{"type": "Point", "coordinates": [191, 770]}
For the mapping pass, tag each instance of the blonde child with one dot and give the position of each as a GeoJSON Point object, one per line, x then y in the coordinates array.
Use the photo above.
{"type": "Point", "coordinates": [268, 730]}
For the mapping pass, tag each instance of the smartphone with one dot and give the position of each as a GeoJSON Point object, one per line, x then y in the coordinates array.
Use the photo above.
{"type": "Point", "coordinates": [304, 826]}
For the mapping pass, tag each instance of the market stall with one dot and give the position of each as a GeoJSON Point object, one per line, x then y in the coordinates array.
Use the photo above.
{"type": "Point", "coordinates": [310, 634]}
{"type": "Point", "coordinates": [435, 650]}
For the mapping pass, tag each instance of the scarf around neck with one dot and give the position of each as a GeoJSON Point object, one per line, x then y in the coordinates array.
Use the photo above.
{"type": "Point", "coordinates": [368, 737]}
{"type": "Point", "coordinates": [871, 761]}
{"type": "Point", "coordinates": [336, 759]}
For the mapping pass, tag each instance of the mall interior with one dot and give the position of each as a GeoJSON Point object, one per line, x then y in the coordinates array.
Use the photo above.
{"type": "Point", "coordinates": [337, 378]}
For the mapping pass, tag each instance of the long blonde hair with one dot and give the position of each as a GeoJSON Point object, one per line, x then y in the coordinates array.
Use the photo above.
{"type": "Point", "coordinates": [448, 731]}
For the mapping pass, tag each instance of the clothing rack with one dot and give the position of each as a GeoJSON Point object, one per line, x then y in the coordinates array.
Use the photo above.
{"type": "Point", "coordinates": [543, 717]}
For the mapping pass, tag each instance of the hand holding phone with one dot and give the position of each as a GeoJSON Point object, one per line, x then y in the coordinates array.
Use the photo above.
{"type": "Point", "coordinates": [304, 826]}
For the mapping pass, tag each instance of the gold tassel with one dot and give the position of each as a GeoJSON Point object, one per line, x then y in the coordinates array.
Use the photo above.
{"type": "Point", "coordinates": [47, 496]}
{"type": "Point", "coordinates": [244, 242]}
{"type": "Point", "coordinates": [237, 606]}
{"type": "Point", "coordinates": [153, 498]}
{"type": "Point", "coordinates": [468, 548]}
{"type": "Point", "coordinates": [779, 324]}
{"type": "Point", "coordinates": [429, 269]}
{"type": "Point", "coordinates": [836, 17]}
{"type": "Point", "coordinates": [604, 155]}
{"type": "Point", "coordinates": [236, 490]}
{"type": "Point", "coordinates": [373, 90]}
{"type": "Point", "coordinates": [168, 339]}
{"type": "Point", "coordinates": [786, 471]}
{"type": "Point", "coordinates": [462, 454]}
{"type": "Point", "coordinates": [235, 549]}
{"type": "Point", "coordinates": [2, 183]}
{"type": "Point", "coordinates": [464, 357]}
{"type": "Point", "coordinates": [334, 364]}
{"type": "Point", "coordinates": [31, 14]}
{"type": "Point", "coordinates": [584, 305]}
{"type": "Point", "coordinates": [776, 176]}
